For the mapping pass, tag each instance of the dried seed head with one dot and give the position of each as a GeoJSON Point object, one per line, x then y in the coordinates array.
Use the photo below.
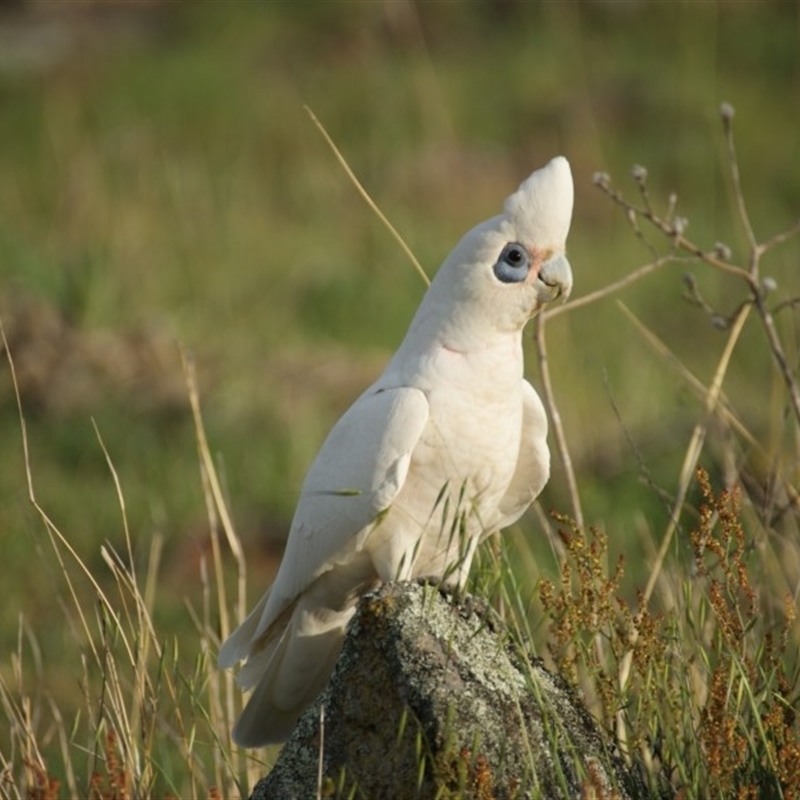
{"type": "Point", "coordinates": [722, 251]}
{"type": "Point", "coordinates": [601, 179]}
{"type": "Point", "coordinates": [672, 202]}
{"type": "Point", "coordinates": [727, 112]}
{"type": "Point", "coordinates": [639, 173]}
{"type": "Point", "coordinates": [719, 322]}
{"type": "Point", "coordinates": [679, 225]}
{"type": "Point", "coordinates": [769, 284]}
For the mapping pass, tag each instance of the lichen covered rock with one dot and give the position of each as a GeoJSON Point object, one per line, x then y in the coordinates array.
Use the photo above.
{"type": "Point", "coordinates": [429, 699]}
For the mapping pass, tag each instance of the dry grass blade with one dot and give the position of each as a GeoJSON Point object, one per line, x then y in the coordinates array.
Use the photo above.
{"type": "Point", "coordinates": [694, 383]}
{"type": "Point", "coordinates": [217, 509]}
{"type": "Point", "coordinates": [133, 704]}
{"type": "Point", "coordinates": [696, 445]}
{"type": "Point", "coordinates": [369, 201]}
{"type": "Point", "coordinates": [221, 508]}
{"type": "Point", "coordinates": [57, 538]}
{"type": "Point", "coordinates": [127, 574]}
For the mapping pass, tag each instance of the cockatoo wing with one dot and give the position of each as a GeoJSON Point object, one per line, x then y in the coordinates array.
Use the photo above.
{"type": "Point", "coordinates": [353, 481]}
{"type": "Point", "coordinates": [533, 462]}
{"type": "Point", "coordinates": [292, 637]}
{"type": "Point", "coordinates": [356, 476]}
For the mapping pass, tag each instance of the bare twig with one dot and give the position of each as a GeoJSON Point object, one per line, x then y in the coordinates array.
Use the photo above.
{"type": "Point", "coordinates": [790, 303]}
{"type": "Point", "coordinates": [756, 251]}
{"type": "Point", "coordinates": [612, 288]}
{"type": "Point", "coordinates": [672, 229]}
{"type": "Point", "coordinates": [727, 113]}
{"type": "Point", "coordinates": [555, 418]}
{"type": "Point", "coordinates": [780, 238]}
{"type": "Point", "coordinates": [778, 354]}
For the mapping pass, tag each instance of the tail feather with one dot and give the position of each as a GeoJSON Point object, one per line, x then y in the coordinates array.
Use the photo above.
{"type": "Point", "coordinates": [289, 674]}
{"type": "Point", "coordinates": [290, 659]}
{"type": "Point", "coordinates": [239, 644]}
{"type": "Point", "coordinates": [266, 661]}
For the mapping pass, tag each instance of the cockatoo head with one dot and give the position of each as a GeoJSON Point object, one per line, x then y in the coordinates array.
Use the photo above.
{"type": "Point", "coordinates": [504, 270]}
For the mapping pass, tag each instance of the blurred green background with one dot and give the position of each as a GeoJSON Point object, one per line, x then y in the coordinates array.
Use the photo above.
{"type": "Point", "coordinates": [161, 182]}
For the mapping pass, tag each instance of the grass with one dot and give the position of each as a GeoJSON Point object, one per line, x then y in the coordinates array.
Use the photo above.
{"type": "Point", "coordinates": [174, 189]}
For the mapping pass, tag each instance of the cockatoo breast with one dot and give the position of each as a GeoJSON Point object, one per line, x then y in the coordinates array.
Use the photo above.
{"type": "Point", "coordinates": [464, 460]}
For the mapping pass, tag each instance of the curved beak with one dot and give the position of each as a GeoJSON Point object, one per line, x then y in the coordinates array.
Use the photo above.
{"type": "Point", "coordinates": [556, 275]}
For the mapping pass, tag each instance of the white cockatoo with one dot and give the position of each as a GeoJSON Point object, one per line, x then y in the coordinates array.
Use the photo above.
{"type": "Point", "coordinates": [448, 445]}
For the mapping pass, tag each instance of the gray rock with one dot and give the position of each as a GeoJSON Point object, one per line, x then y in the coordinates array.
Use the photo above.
{"type": "Point", "coordinates": [430, 699]}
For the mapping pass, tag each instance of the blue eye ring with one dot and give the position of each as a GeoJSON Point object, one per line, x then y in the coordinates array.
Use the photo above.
{"type": "Point", "coordinates": [513, 263]}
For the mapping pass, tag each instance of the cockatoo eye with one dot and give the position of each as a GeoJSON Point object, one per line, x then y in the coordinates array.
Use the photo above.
{"type": "Point", "coordinates": [513, 264]}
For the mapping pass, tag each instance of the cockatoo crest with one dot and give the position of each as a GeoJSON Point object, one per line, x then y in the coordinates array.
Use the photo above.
{"type": "Point", "coordinates": [541, 208]}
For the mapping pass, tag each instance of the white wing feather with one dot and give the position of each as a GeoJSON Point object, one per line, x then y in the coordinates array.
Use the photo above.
{"type": "Point", "coordinates": [355, 477]}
